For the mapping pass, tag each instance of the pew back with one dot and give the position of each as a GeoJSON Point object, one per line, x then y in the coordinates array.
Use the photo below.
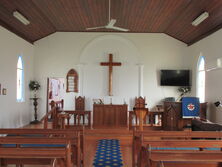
{"type": "Point", "coordinates": [143, 138]}
{"type": "Point", "coordinates": [44, 138]}
{"type": "Point", "coordinates": [174, 151]}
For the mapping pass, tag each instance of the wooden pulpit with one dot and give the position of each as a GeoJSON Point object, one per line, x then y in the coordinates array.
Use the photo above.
{"type": "Point", "coordinates": [141, 112]}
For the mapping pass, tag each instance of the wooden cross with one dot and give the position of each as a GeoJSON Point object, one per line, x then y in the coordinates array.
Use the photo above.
{"type": "Point", "coordinates": [110, 64]}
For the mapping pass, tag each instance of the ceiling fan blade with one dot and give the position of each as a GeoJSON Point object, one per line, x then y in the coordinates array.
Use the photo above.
{"type": "Point", "coordinates": [111, 23]}
{"type": "Point", "coordinates": [118, 28]}
{"type": "Point", "coordinates": [94, 28]}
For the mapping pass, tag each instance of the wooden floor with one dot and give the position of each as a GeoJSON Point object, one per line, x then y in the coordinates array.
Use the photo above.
{"type": "Point", "coordinates": [93, 135]}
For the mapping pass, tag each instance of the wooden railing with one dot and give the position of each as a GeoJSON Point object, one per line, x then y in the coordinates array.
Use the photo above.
{"type": "Point", "coordinates": [78, 118]}
{"type": "Point", "coordinates": [66, 118]}
{"type": "Point", "coordinates": [51, 115]}
{"type": "Point", "coordinates": [153, 120]}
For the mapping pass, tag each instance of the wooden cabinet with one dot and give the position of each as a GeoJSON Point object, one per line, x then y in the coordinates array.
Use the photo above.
{"type": "Point", "coordinates": [203, 110]}
{"type": "Point", "coordinates": [109, 115]}
{"type": "Point", "coordinates": [172, 115]}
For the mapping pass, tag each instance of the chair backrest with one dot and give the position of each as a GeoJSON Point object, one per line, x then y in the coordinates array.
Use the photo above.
{"type": "Point", "coordinates": [58, 104]}
{"type": "Point", "coordinates": [140, 102]}
{"type": "Point", "coordinates": [80, 103]}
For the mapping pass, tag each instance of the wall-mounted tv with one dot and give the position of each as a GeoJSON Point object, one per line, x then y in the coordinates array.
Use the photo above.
{"type": "Point", "coordinates": [175, 77]}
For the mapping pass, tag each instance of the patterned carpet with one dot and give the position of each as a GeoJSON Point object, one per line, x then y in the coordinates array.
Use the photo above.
{"type": "Point", "coordinates": [108, 154]}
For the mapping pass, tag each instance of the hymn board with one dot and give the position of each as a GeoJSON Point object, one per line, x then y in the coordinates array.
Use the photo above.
{"type": "Point", "coordinates": [110, 63]}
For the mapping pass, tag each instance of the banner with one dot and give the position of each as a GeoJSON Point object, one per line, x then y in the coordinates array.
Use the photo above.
{"type": "Point", "coordinates": [190, 107]}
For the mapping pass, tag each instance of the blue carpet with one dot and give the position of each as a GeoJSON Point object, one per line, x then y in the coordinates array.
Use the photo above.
{"type": "Point", "coordinates": [108, 154]}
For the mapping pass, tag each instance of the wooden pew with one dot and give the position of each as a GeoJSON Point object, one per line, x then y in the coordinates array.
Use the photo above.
{"type": "Point", "coordinates": [58, 121]}
{"type": "Point", "coordinates": [40, 136]}
{"type": "Point", "coordinates": [52, 153]}
{"type": "Point", "coordinates": [143, 138]}
{"type": "Point", "coordinates": [150, 157]}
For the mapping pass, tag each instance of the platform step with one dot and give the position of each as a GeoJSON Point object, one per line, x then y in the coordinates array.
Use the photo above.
{"type": "Point", "coordinates": [124, 135]}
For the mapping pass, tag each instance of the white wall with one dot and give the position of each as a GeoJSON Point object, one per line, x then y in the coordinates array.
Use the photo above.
{"type": "Point", "coordinates": [12, 113]}
{"type": "Point", "coordinates": [56, 54]}
{"type": "Point", "coordinates": [211, 49]}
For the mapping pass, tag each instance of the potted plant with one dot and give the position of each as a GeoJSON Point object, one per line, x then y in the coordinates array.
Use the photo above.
{"type": "Point", "coordinates": [34, 86]}
{"type": "Point", "coordinates": [183, 91]}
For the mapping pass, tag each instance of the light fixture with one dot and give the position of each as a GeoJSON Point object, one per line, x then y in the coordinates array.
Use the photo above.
{"type": "Point", "coordinates": [21, 18]}
{"type": "Point", "coordinates": [200, 18]}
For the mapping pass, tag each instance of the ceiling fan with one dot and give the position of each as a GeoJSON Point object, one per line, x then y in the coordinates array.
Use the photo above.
{"type": "Point", "coordinates": [110, 24]}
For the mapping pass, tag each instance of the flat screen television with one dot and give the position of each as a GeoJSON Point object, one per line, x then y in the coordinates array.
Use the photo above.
{"type": "Point", "coordinates": [175, 77]}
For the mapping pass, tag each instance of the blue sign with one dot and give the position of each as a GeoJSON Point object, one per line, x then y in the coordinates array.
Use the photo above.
{"type": "Point", "coordinates": [190, 107]}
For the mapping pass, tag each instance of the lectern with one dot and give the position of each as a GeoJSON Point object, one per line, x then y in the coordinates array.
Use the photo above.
{"type": "Point", "coordinates": [141, 112]}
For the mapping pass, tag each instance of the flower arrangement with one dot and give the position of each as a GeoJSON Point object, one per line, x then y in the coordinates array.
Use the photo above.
{"type": "Point", "coordinates": [34, 86]}
{"type": "Point", "coordinates": [183, 91]}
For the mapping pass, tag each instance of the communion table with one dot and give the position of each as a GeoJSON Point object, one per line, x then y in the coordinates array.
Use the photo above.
{"type": "Point", "coordinates": [109, 116]}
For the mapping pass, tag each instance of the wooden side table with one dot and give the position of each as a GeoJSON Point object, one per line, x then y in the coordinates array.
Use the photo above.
{"type": "Point", "coordinates": [35, 104]}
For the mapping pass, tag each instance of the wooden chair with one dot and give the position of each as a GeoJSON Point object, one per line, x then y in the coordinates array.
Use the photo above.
{"type": "Point", "coordinates": [140, 102]}
{"type": "Point", "coordinates": [58, 104]}
{"type": "Point", "coordinates": [79, 113]}
{"type": "Point", "coordinates": [80, 103]}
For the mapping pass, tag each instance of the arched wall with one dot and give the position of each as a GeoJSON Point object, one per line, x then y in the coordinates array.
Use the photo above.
{"type": "Point", "coordinates": [94, 81]}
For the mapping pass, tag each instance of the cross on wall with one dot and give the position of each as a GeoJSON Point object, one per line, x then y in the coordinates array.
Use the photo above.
{"type": "Point", "coordinates": [110, 64]}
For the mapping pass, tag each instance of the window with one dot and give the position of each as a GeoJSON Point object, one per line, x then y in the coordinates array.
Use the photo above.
{"type": "Point", "coordinates": [20, 80]}
{"type": "Point", "coordinates": [201, 79]}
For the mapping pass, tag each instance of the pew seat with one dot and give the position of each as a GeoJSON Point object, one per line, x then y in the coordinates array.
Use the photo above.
{"type": "Point", "coordinates": [41, 146]}
{"type": "Point", "coordinates": [177, 151]}
{"type": "Point", "coordinates": [170, 147]}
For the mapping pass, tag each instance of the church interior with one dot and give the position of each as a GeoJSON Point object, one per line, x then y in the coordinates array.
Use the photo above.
{"type": "Point", "coordinates": [111, 83]}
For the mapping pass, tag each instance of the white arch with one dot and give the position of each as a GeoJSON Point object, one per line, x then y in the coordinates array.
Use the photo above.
{"type": "Point", "coordinates": [111, 39]}
{"type": "Point", "coordinates": [93, 78]}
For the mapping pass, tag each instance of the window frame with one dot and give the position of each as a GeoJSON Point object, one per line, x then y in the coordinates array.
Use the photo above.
{"type": "Point", "coordinates": [198, 79]}
{"type": "Point", "coordinates": [22, 89]}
